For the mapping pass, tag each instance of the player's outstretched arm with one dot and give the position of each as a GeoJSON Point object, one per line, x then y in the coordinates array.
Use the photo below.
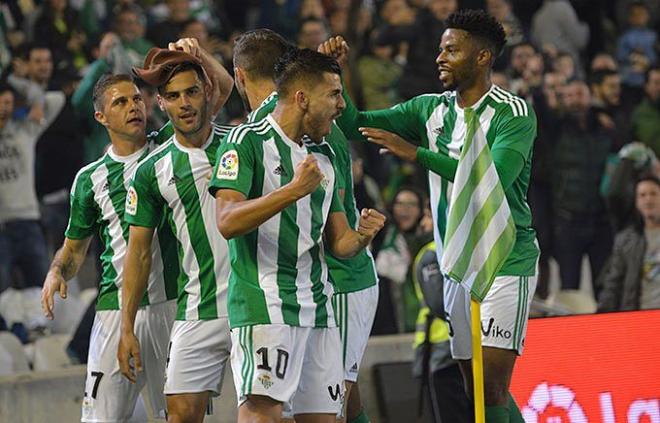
{"type": "Point", "coordinates": [65, 265]}
{"type": "Point", "coordinates": [235, 215]}
{"type": "Point", "coordinates": [222, 82]}
{"type": "Point", "coordinates": [137, 266]}
{"type": "Point", "coordinates": [345, 242]}
{"type": "Point", "coordinates": [401, 119]}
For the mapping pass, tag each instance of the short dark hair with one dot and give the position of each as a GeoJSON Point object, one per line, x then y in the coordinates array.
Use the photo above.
{"type": "Point", "coordinates": [647, 74]}
{"type": "Point", "coordinates": [37, 45]}
{"type": "Point", "coordinates": [480, 25]}
{"type": "Point", "coordinates": [597, 77]}
{"type": "Point", "coordinates": [257, 51]}
{"type": "Point", "coordinates": [183, 67]}
{"type": "Point", "coordinates": [103, 84]}
{"type": "Point", "coordinates": [304, 64]}
{"type": "Point", "coordinates": [4, 87]}
{"type": "Point", "coordinates": [647, 177]}
{"type": "Point", "coordinates": [524, 44]}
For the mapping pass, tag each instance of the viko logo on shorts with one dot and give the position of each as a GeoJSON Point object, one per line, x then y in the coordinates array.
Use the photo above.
{"type": "Point", "coordinates": [494, 331]}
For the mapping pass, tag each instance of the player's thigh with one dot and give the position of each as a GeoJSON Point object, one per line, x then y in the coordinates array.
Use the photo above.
{"type": "Point", "coordinates": [108, 395]}
{"type": "Point", "coordinates": [197, 357]}
{"type": "Point", "coordinates": [267, 360]}
{"type": "Point", "coordinates": [321, 387]}
{"type": "Point", "coordinates": [355, 312]}
{"type": "Point", "coordinates": [153, 333]}
{"type": "Point", "coordinates": [187, 407]}
{"type": "Point", "coordinates": [260, 408]}
{"type": "Point", "coordinates": [505, 311]}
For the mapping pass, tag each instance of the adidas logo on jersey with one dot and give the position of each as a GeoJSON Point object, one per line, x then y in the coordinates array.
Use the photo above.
{"type": "Point", "coordinates": [279, 170]}
{"type": "Point", "coordinates": [173, 180]}
{"type": "Point", "coordinates": [106, 187]}
{"type": "Point", "coordinates": [354, 368]}
{"type": "Point", "coordinates": [439, 130]}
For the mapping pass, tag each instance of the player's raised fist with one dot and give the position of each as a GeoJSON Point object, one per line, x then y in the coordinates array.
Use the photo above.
{"type": "Point", "coordinates": [337, 48]}
{"type": "Point", "coordinates": [307, 176]}
{"type": "Point", "coordinates": [371, 222]}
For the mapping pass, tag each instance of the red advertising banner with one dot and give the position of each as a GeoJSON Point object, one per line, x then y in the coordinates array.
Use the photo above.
{"type": "Point", "coordinates": [602, 368]}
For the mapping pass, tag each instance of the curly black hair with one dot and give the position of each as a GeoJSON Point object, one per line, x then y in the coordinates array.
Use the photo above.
{"type": "Point", "coordinates": [480, 25]}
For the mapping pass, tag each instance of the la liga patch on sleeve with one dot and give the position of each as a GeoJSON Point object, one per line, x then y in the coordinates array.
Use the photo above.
{"type": "Point", "coordinates": [131, 201]}
{"type": "Point", "coordinates": [228, 166]}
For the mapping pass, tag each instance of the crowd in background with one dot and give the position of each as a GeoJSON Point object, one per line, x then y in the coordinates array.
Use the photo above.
{"type": "Point", "coordinates": [589, 68]}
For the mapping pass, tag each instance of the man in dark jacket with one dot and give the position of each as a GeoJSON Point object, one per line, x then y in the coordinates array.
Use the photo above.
{"type": "Point", "coordinates": [581, 223]}
{"type": "Point", "coordinates": [631, 279]}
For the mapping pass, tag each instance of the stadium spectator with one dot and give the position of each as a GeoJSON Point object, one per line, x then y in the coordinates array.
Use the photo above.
{"type": "Point", "coordinates": [606, 101]}
{"type": "Point", "coordinates": [129, 25]}
{"type": "Point", "coordinates": [22, 243]}
{"type": "Point", "coordinates": [96, 136]}
{"type": "Point", "coordinates": [312, 32]}
{"type": "Point", "coordinates": [645, 119]}
{"type": "Point", "coordinates": [421, 33]}
{"type": "Point", "coordinates": [636, 46]}
{"type": "Point", "coordinates": [631, 280]}
{"type": "Point", "coordinates": [394, 250]}
{"type": "Point", "coordinates": [39, 65]}
{"type": "Point", "coordinates": [520, 54]}
{"type": "Point", "coordinates": [557, 24]}
{"type": "Point", "coordinates": [581, 224]}
{"type": "Point", "coordinates": [565, 65]}
{"type": "Point", "coordinates": [633, 161]}
{"type": "Point", "coordinates": [58, 26]}
{"type": "Point", "coordinates": [179, 12]}
{"type": "Point", "coordinates": [379, 74]}
{"type": "Point", "coordinates": [603, 61]}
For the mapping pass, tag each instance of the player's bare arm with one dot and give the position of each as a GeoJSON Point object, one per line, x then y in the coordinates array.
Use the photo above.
{"type": "Point", "coordinates": [65, 265]}
{"type": "Point", "coordinates": [136, 276]}
{"type": "Point", "coordinates": [345, 242]}
{"type": "Point", "coordinates": [236, 216]}
{"type": "Point", "coordinates": [222, 82]}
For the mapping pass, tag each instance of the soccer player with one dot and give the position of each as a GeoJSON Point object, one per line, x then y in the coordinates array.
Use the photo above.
{"type": "Point", "coordinates": [277, 200]}
{"type": "Point", "coordinates": [354, 279]}
{"type": "Point", "coordinates": [98, 196]}
{"type": "Point", "coordinates": [468, 48]}
{"type": "Point", "coordinates": [171, 185]}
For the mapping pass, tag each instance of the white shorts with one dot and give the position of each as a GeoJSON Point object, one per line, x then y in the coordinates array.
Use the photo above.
{"type": "Point", "coordinates": [109, 396]}
{"type": "Point", "coordinates": [296, 365]}
{"type": "Point", "coordinates": [197, 356]}
{"type": "Point", "coordinates": [355, 312]}
{"type": "Point", "coordinates": [504, 314]}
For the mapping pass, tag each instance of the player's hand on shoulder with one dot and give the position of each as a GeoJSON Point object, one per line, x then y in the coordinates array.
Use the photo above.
{"type": "Point", "coordinates": [337, 48]}
{"type": "Point", "coordinates": [371, 222]}
{"type": "Point", "coordinates": [54, 283]}
{"type": "Point", "coordinates": [307, 176]}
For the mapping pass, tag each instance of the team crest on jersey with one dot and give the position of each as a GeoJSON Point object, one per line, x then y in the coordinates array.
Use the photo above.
{"type": "Point", "coordinates": [131, 201]}
{"type": "Point", "coordinates": [265, 381]}
{"type": "Point", "coordinates": [228, 167]}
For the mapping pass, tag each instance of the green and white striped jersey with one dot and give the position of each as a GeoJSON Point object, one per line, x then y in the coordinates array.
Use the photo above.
{"type": "Point", "coordinates": [436, 122]}
{"type": "Point", "coordinates": [171, 184]}
{"type": "Point", "coordinates": [98, 198]}
{"type": "Point", "coordinates": [358, 272]}
{"type": "Point", "coordinates": [279, 274]}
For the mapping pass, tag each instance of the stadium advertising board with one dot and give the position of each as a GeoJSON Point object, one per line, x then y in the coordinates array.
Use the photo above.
{"type": "Point", "coordinates": [601, 368]}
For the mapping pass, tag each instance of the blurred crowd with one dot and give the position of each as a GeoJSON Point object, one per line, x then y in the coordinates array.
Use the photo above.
{"type": "Point", "coordinates": [589, 68]}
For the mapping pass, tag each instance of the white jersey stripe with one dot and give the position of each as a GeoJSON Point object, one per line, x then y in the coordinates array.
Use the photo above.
{"type": "Point", "coordinates": [164, 173]}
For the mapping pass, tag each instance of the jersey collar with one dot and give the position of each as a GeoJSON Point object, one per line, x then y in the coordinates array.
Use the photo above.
{"type": "Point", "coordinates": [126, 159]}
{"type": "Point", "coordinates": [475, 106]}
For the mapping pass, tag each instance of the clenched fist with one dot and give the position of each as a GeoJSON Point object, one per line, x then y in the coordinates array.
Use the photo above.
{"type": "Point", "coordinates": [307, 176]}
{"type": "Point", "coordinates": [337, 48]}
{"type": "Point", "coordinates": [371, 222]}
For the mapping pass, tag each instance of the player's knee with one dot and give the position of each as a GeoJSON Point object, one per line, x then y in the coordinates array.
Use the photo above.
{"type": "Point", "coordinates": [185, 412]}
{"type": "Point", "coordinates": [495, 393]}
